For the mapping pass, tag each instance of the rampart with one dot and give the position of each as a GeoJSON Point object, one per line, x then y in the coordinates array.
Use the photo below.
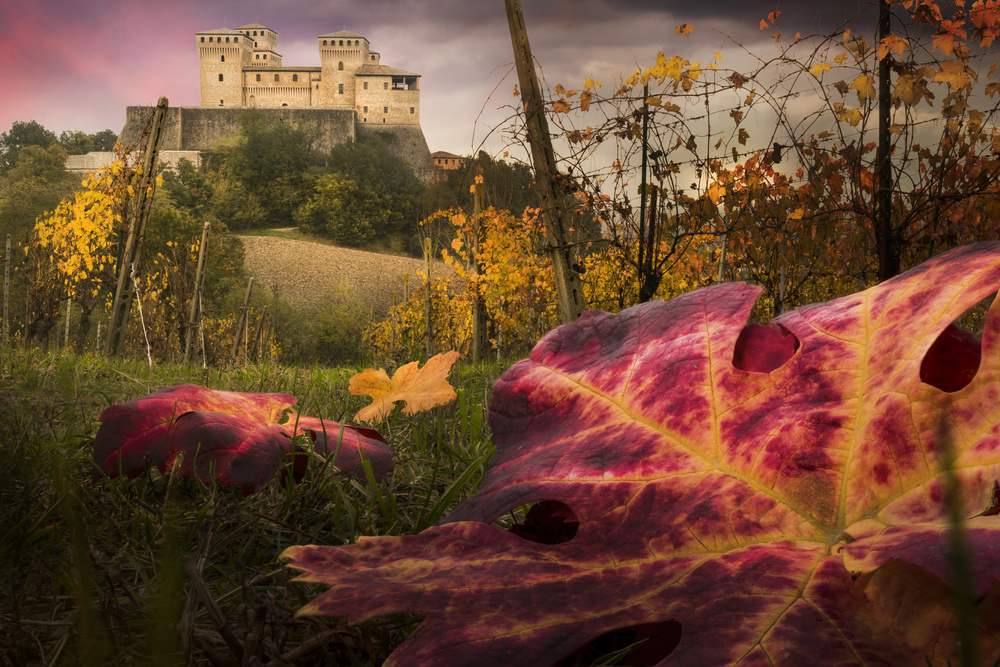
{"type": "Point", "coordinates": [199, 128]}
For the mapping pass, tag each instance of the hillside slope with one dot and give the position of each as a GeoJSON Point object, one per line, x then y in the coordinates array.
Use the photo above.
{"type": "Point", "coordinates": [303, 272]}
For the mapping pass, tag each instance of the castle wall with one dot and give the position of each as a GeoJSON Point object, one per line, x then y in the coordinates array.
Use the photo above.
{"type": "Point", "coordinates": [199, 128]}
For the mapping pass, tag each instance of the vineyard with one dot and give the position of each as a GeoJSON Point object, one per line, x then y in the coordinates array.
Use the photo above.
{"type": "Point", "coordinates": [727, 389]}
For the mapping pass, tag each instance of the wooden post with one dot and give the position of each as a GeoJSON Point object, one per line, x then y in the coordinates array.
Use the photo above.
{"type": "Point", "coordinates": [428, 308]}
{"type": "Point", "coordinates": [6, 292]}
{"type": "Point", "coordinates": [144, 186]}
{"type": "Point", "coordinates": [196, 294]}
{"type": "Point", "coordinates": [569, 289]}
{"type": "Point", "coordinates": [243, 318]}
{"type": "Point", "coordinates": [255, 348]}
{"type": "Point", "coordinates": [69, 308]}
{"type": "Point", "coordinates": [479, 341]}
{"type": "Point", "coordinates": [888, 257]}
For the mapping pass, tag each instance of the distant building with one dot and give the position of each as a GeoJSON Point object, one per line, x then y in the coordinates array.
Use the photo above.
{"type": "Point", "coordinates": [348, 96]}
{"type": "Point", "coordinates": [446, 160]}
{"type": "Point", "coordinates": [243, 68]}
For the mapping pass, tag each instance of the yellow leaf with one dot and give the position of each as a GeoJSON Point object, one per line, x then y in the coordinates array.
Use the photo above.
{"type": "Point", "coordinates": [421, 389]}
{"type": "Point", "coordinates": [797, 214]}
{"type": "Point", "coordinates": [955, 74]}
{"type": "Point", "coordinates": [684, 29]}
{"type": "Point", "coordinates": [864, 84]}
{"type": "Point", "coordinates": [819, 68]}
{"type": "Point", "coordinates": [560, 106]}
{"type": "Point", "coordinates": [892, 43]}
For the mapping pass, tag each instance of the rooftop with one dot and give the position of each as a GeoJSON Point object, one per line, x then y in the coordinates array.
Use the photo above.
{"type": "Point", "coordinates": [382, 70]}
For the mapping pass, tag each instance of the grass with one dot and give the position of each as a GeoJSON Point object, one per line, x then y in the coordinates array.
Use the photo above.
{"type": "Point", "coordinates": [165, 570]}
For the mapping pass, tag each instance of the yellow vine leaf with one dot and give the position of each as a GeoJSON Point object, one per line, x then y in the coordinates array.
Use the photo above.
{"type": "Point", "coordinates": [684, 29]}
{"type": "Point", "coordinates": [421, 389]}
{"type": "Point", "coordinates": [864, 84]}
{"type": "Point", "coordinates": [955, 74]}
{"type": "Point", "coordinates": [819, 68]}
{"type": "Point", "coordinates": [892, 43]}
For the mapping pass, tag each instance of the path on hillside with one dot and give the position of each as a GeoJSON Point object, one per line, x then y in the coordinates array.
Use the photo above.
{"type": "Point", "coordinates": [304, 272]}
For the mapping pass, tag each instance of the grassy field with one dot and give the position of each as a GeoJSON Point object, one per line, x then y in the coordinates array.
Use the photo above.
{"type": "Point", "coordinates": [165, 570]}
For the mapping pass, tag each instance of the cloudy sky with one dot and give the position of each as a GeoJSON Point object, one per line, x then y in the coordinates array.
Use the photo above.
{"type": "Point", "coordinates": [76, 64]}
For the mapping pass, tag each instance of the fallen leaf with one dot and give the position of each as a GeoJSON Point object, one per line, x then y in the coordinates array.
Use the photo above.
{"type": "Point", "coordinates": [764, 498]}
{"type": "Point", "coordinates": [420, 389]}
{"type": "Point", "coordinates": [235, 438]}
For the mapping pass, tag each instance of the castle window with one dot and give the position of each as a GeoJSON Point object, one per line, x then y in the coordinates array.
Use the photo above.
{"type": "Point", "coordinates": [257, 57]}
{"type": "Point", "coordinates": [340, 65]}
{"type": "Point", "coordinates": [258, 77]}
{"type": "Point", "coordinates": [385, 109]}
{"type": "Point", "coordinates": [227, 40]}
{"type": "Point", "coordinates": [220, 77]}
{"type": "Point", "coordinates": [385, 86]}
{"type": "Point", "coordinates": [209, 40]}
{"type": "Point", "coordinates": [355, 42]}
{"type": "Point", "coordinates": [222, 102]}
{"type": "Point", "coordinates": [265, 55]}
{"type": "Point", "coordinates": [277, 78]}
{"type": "Point", "coordinates": [365, 84]}
{"type": "Point", "coordinates": [366, 109]}
{"type": "Point", "coordinates": [324, 42]}
{"type": "Point", "coordinates": [317, 86]}
{"type": "Point", "coordinates": [223, 59]}
{"type": "Point", "coordinates": [295, 77]}
{"type": "Point", "coordinates": [373, 58]}
{"type": "Point", "coordinates": [254, 33]}
{"type": "Point", "coordinates": [340, 88]}
{"type": "Point", "coordinates": [341, 42]}
{"type": "Point", "coordinates": [411, 109]}
{"type": "Point", "coordinates": [203, 39]}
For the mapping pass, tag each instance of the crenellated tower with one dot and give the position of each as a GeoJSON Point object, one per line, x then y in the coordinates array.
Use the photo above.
{"type": "Point", "coordinates": [340, 56]}
{"type": "Point", "coordinates": [223, 54]}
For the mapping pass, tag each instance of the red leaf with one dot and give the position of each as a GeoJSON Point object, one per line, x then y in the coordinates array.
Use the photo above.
{"type": "Point", "coordinates": [787, 517]}
{"type": "Point", "coordinates": [232, 437]}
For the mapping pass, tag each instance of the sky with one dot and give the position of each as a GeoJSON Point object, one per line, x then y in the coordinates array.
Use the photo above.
{"type": "Point", "coordinates": [76, 64]}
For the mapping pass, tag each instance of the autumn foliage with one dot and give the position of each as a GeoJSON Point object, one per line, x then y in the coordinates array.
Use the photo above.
{"type": "Point", "coordinates": [767, 495]}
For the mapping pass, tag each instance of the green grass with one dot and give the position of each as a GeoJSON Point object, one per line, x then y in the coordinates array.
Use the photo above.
{"type": "Point", "coordinates": [163, 569]}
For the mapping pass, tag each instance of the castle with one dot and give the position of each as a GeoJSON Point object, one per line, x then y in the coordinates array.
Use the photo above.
{"type": "Point", "coordinates": [350, 95]}
{"type": "Point", "coordinates": [243, 68]}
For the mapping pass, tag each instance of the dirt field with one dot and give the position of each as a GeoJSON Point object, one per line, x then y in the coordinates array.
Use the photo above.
{"type": "Point", "coordinates": [303, 272]}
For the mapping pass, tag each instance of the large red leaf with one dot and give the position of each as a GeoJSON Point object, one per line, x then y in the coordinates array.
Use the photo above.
{"type": "Point", "coordinates": [232, 437]}
{"type": "Point", "coordinates": [777, 493]}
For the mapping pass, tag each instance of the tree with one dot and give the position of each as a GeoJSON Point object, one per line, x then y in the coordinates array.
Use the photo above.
{"type": "Point", "coordinates": [344, 211]}
{"type": "Point", "coordinates": [261, 175]}
{"type": "Point", "coordinates": [105, 140]}
{"type": "Point", "coordinates": [35, 184]}
{"type": "Point", "coordinates": [76, 142]}
{"type": "Point", "coordinates": [21, 135]}
{"type": "Point", "coordinates": [793, 208]}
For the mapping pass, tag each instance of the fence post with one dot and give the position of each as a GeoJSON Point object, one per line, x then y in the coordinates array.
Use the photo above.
{"type": "Point", "coordinates": [243, 318]}
{"type": "Point", "coordinates": [479, 341]}
{"type": "Point", "coordinates": [196, 294]}
{"type": "Point", "coordinates": [145, 185]}
{"type": "Point", "coordinates": [6, 292]}
{"type": "Point", "coordinates": [428, 308]}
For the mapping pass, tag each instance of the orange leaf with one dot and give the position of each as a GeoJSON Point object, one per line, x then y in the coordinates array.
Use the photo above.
{"type": "Point", "coordinates": [684, 29]}
{"type": "Point", "coordinates": [560, 106]}
{"type": "Point", "coordinates": [955, 74]}
{"type": "Point", "coordinates": [421, 389]}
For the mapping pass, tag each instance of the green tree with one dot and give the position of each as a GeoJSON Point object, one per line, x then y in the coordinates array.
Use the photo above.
{"type": "Point", "coordinates": [188, 188]}
{"type": "Point", "coordinates": [35, 184]}
{"type": "Point", "coordinates": [345, 211]}
{"type": "Point", "coordinates": [21, 135]}
{"type": "Point", "coordinates": [76, 142]}
{"type": "Point", "coordinates": [269, 161]}
{"type": "Point", "coordinates": [105, 140]}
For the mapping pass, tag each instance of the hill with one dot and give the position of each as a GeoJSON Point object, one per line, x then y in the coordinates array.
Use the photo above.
{"type": "Point", "coordinates": [303, 271]}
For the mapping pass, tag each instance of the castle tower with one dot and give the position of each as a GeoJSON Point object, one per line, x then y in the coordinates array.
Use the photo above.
{"type": "Point", "coordinates": [340, 56]}
{"type": "Point", "coordinates": [265, 45]}
{"type": "Point", "coordinates": [223, 54]}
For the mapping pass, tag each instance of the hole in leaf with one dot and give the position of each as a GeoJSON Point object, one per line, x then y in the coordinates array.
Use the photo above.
{"type": "Point", "coordinates": [994, 508]}
{"type": "Point", "coordinates": [635, 646]}
{"type": "Point", "coordinates": [547, 522]}
{"type": "Point", "coordinates": [952, 361]}
{"type": "Point", "coordinates": [764, 348]}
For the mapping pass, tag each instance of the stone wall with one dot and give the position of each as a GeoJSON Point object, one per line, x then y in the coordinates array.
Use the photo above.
{"type": "Point", "coordinates": [198, 128]}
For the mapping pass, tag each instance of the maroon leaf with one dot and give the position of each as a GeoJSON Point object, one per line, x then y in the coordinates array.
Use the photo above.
{"type": "Point", "coordinates": [781, 502]}
{"type": "Point", "coordinates": [232, 437]}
